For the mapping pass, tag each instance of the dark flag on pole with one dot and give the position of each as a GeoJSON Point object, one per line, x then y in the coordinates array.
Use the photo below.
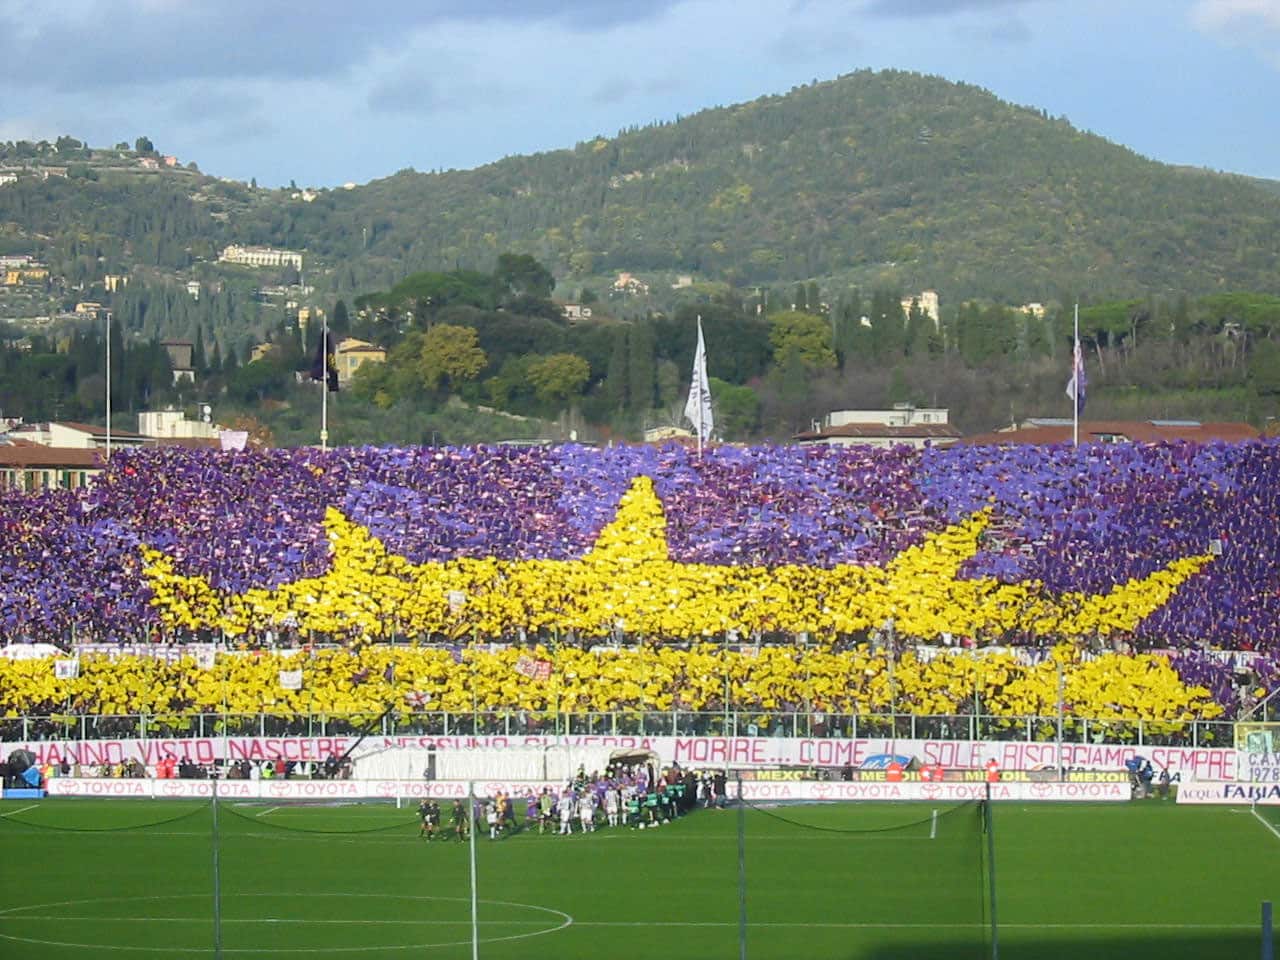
{"type": "Point", "coordinates": [325, 366]}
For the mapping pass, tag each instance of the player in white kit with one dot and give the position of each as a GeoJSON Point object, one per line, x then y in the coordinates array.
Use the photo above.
{"type": "Point", "coordinates": [587, 812]}
{"type": "Point", "coordinates": [611, 806]}
{"type": "Point", "coordinates": [566, 813]}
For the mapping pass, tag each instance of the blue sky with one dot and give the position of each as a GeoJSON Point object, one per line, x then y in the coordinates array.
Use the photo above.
{"type": "Point", "coordinates": [326, 92]}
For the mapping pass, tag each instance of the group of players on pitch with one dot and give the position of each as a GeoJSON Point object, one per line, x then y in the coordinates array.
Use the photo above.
{"type": "Point", "coordinates": [588, 802]}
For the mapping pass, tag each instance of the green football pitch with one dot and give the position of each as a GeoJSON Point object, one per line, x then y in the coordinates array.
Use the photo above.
{"type": "Point", "coordinates": [135, 879]}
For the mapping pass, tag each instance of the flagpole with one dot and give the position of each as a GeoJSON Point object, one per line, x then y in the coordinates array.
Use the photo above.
{"type": "Point", "coordinates": [1075, 401]}
{"type": "Point", "coordinates": [471, 856]}
{"type": "Point", "coordinates": [108, 384]}
{"type": "Point", "coordinates": [700, 405]}
{"type": "Point", "coordinates": [324, 383]}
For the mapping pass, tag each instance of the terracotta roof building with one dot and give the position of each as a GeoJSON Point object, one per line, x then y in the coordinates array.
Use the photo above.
{"type": "Point", "coordinates": [33, 466]}
{"type": "Point", "coordinates": [351, 353]}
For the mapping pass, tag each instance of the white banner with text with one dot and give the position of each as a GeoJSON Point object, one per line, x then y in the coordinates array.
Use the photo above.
{"type": "Point", "coordinates": [1228, 793]}
{"type": "Point", "coordinates": [796, 790]}
{"type": "Point", "coordinates": [1183, 763]}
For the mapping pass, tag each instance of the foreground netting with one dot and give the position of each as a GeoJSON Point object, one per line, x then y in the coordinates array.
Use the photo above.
{"type": "Point", "coordinates": [338, 880]}
{"type": "Point", "coordinates": [225, 879]}
{"type": "Point", "coordinates": [135, 879]}
{"type": "Point", "coordinates": [862, 874]}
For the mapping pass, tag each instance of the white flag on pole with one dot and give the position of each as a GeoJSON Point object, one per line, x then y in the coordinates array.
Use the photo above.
{"type": "Point", "coordinates": [233, 439]}
{"type": "Point", "coordinates": [1078, 385]}
{"type": "Point", "coordinates": [698, 407]}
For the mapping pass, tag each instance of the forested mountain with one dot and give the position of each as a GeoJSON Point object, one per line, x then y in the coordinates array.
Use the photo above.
{"type": "Point", "coordinates": [799, 227]}
{"type": "Point", "coordinates": [878, 179]}
{"type": "Point", "coordinates": [892, 179]}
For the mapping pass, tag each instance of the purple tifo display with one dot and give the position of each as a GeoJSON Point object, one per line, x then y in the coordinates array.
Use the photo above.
{"type": "Point", "coordinates": [1083, 519]}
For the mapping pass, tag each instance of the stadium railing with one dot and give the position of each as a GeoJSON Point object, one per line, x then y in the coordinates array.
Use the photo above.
{"type": "Point", "coordinates": [1032, 729]}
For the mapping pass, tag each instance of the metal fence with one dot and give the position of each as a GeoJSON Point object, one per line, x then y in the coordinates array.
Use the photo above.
{"type": "Point", "coordinates": [1035, 729]}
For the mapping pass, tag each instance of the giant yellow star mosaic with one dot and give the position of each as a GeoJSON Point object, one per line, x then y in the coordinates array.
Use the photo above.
{"type": "Point", "coordinates": [628, 580]}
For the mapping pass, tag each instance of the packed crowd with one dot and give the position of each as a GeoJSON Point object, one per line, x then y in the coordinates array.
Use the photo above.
{"type": "Point", "coordinates": [768, 682]}
{"type": "Point", "coordinates": [1152, 546]}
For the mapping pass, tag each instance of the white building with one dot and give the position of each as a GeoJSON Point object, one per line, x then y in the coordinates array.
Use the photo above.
{"type": "Point", "coordinates": [68, 435]}
{"type": "Point", "coordinates": [901, 415]}
{"type": "Point", "coordinates": [903, 424]}
{"type": "Point", "coordinates": [260, 257]}
{"type": "Point", "coordinates": [927, 300]}
{"type": "Point", "coordinates": [173, 425]}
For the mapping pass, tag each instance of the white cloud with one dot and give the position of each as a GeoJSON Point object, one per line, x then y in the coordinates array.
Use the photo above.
{"type": "Point", "coordinates": [1221, 15]}
{"type": "Point", "coordinates": [1250, 24]}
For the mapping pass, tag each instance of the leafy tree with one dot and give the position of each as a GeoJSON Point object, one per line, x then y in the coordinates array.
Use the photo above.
{"type": "Point", "coordinates": [1264, 368]}
{"type": "Point", "coordinates": [521, 275]}
{"type": "Point", "coordinates": [424, 294]}
{"type": "Point", "coordinates": [737, 342]}
{"type": "Point", "coordinates": [341, 318]}
{"type": "Point", "coordinates": [737, 410]}
{"type": "Point", "coordinates": [671, 383]}
{"type": "Point", "coordinates": [257, 381]}
{"type": "Point", "coordinates": [511, 388]}
{"type": "Point", "coordinates": [615, 383]}
{"type": "Point", "coordinates": [641, 367]}
{"type": "Point", "coordinates": [144, 145]}
{"type": "Point", "coordinates": [802, 336]}
{"type": "Point", "coordinates": [450, 356]}
{"type": "Point", "coordinates": [558, 378]}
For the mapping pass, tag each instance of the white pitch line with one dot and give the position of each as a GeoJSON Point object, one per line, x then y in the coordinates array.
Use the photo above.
{"type": "Point", "coordinates": [917, 926]}
{"type": "Point", "coordinates": [14, 813]}
{"type": "Point", "coordinates": [1264, 821]}
{"type": "Point", "coordinates": [266, 811]}
{"type": "Point", "coordinates": [870, 925]}
{"type": "Point", "coordinates": [729, 838]}
{"type": "Point", "coordinates": [466, 922]}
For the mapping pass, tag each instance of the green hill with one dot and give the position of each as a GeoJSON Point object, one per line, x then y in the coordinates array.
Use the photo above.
{"type": "Point", "coordinates": [875, 178]}
{"type": "Point", "coordinates": [889, 179]}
